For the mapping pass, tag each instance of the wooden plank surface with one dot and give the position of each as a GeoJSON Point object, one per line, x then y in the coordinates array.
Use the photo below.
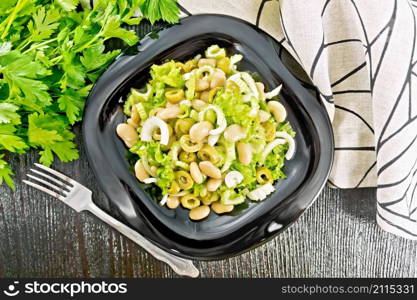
{"type": "Point", "coordinates": [336, 237]}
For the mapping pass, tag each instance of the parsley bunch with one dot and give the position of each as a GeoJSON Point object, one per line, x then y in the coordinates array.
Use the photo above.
{"type": "Point", "coordinates": [51, 53]}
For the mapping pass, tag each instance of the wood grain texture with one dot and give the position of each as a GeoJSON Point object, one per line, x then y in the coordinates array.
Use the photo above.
{"type": "Point", "coordinates": [336, 237]}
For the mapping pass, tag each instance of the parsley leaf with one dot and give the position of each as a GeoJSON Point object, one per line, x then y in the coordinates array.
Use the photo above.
{"type": "Point", "coordinates": [6, 173]}
{"type": "Point", "coordinates": [112, 29]}
{"type": "Point", "coordinates": [93, 57]}
{"type": "Point", "coordinates": [129, 11]}
{"type": "Point", "coordinates": [43, 24]}
{"type": "Point", "coordinates": [68, 5]}
{"type": "Point", "coordinates": [52, 134]}
{"type": "Point", "coordinates": [40, 136]}
{"type": "Point", "coordinates": [5, 5]}
{"type": "Point", "coordinates": [72, 103]}
{"type": "Point", "coordinates": [22, 75]}
{"type": "Point", "coordinates": [8, 113]}
{"type": "Point", "coordinates": [74, 75]}
{"type": "Point", "coordinates": [154, 10]}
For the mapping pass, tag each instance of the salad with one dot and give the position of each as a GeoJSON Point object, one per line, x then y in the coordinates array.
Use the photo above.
{"type": "Point", "coordinates": [208, 135]}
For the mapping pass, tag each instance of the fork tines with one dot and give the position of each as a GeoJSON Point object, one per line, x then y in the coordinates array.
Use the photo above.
{"type": "Point", "coordinates": [50, 181]}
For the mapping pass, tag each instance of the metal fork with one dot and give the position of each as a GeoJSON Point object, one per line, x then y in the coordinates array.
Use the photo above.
{"type": "Point", "coordinates": [79, 198]}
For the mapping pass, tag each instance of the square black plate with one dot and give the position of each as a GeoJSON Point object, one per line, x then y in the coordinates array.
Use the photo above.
{"type": "Point", "coordinates": [217, 236]}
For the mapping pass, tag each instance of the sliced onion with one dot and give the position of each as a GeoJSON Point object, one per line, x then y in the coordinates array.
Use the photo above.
{"type": "Point", "coordinates": [220, 118]}
{"type": "Point", "coordinates": [261, 192]}
{"type": "Point", "coordinates": [145, 163]}
{"type": "Point", "coordinates": [236, 78]}
{"type": "Point", "coordinates": [233, 178]}
{"type": "Point", "coordinates": [213, 139]}
{"type": "Point", "coordinates": [274, 92]}
{"type": "Point", "coordinates": [270, 146]}
{"type": "Point", "coordinates": [291, 143]}
{"type": "Point", "coordinates": [164, 200]}
{"type": "Point", "coordinates": [234, 59]}
{"type": "Point", "coordinates": [246, 98]}
{"type": "Point", "coordinates": [150, 125]}
{"type": "Point", "coordinates": [175, 149]}
{"type": "Point", "coordinates": [150, 180]}
{"type": "Point", "coordinates": [251, 83]}
{"type": "Point", "coordinates": [230, 156]}
{"type": "Point", "coordinates": [180, 194]}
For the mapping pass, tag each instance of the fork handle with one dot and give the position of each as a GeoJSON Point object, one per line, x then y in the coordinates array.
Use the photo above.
{"type": "Point", "coordinates": [180, 265]}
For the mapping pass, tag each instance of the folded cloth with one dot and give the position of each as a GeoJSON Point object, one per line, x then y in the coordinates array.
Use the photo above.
{"type": "Point", "coordinates": [361, 57]}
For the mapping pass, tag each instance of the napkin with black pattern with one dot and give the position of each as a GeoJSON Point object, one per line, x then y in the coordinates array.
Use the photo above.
{"type": "Point", "coordinates": [361, 56]}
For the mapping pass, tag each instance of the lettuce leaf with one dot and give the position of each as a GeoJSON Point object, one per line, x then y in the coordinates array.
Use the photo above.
{"type": "Point", "coordinates": [235, 110]}
{"type": "Point", "coordinates": [248, 172]}
{"type": "Point", "coordinates": [168, 73]}
{"type": "Point", "coordinates": [285, 126]}
{"type": "Point", "coordinates": [230, 197]}
{"type": "Point", "coordinates": [198, 189]}
{"type": "Point", "coordinates": [166, 176]}
{"type": "Point", "coordinates": [127, 106]}
{"type": "Point", "coordinates": [163, 161]}
{"type": "Point", "coordinates": [275, 161]}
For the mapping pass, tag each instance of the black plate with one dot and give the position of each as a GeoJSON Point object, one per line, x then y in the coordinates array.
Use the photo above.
{"type": "Point", "coordinates": [218, 236]}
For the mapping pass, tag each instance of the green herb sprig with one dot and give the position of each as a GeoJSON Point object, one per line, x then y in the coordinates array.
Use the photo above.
{"type": "Point", "coordinates": [51, 53]}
